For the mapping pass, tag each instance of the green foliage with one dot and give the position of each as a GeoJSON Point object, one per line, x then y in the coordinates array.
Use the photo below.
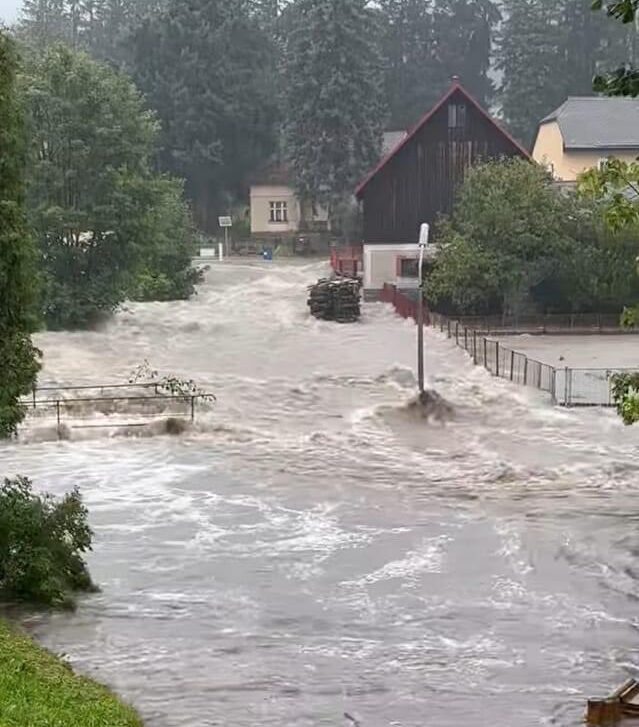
{"type": "Point", "coordinates": [42, 543]}
{"type": "Point", "coordinates": [333, 101]}
{"type": "Point", "coordinates": [624, 81]}
{"type": "Point", "coordinates": [420, 46]}
{"type": "Point", "coordinates": [549, 50]}
{"type": "Point", "coordinates": [630, 317]}
{"type": "Point", "coordinates": [506, 236]}
{"type": "Point", "coordinates": [98, 209]}
{"type": "Point", "coordinates": [172, 385]}
{"type": "Point", "coordinates": [38, 689]}
{"type": "Point", "coordinates": [615, 185]}
{"type": "Point", "coordinates": [18, 358]}
{"type": "Point", "coordinates": [207, 66]}
{"type": "Point", "coordinates": [625, 395]}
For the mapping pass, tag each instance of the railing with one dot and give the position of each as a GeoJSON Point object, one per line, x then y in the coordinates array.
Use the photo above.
{"type": "Point", "coordinates": [79, 406]}
{"type": "Point", "coordinates": [347, 260]}
{"type": "Point", "coordinates": [565, 323]}
{"type": "Point", "coordinates": [405, 303]}
{"type": "Point", "coordinates": [567, 386]}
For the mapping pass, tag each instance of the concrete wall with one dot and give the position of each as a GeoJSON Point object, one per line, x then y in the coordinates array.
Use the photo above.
{"type": "Point", "coordinates": [568, 164]}
{"type": "Point", "coordinates": [380, 265]}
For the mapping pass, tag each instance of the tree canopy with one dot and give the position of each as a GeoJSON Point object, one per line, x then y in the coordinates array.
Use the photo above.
{"type": "Point", "coordinates": [514, 244]}
{"type": "Point", "coordinates": [18, 357]}
{"type": "Point", "coordinates": [95, 203]}
{"type": "Point", "coordinates": [334, 110]}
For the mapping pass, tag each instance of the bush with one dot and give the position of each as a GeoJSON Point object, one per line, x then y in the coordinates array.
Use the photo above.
{"type": "Point", "coordinates": [42, 542]}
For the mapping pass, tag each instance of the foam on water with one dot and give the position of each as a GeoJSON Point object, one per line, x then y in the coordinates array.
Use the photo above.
{"type": "Point", "coordinates": [308, 550]}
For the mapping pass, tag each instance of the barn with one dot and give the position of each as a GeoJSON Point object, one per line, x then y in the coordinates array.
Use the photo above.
{"type": "Point", "coordinates": [418, 180]}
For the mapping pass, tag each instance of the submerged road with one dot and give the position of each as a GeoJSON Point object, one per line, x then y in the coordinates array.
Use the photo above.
{"type": "Point", "coordinates": [312, 550]}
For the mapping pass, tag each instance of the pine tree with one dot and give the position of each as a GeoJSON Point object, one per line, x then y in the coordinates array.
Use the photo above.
{"type": "Point", "coordinates": [412, 74]}
{"type": "Point", "coordinates": [44, 22]}
{"type": "Point", "coordinates": [18, 358]}
{"type": "Point", "coordinates": [333, 104]}
{"type": "Point", "coordinates": [464, 32]}
{"type": "Point", "coordinates": [550, 50]}
{"type": "Point", "coordinates": [206, 66]}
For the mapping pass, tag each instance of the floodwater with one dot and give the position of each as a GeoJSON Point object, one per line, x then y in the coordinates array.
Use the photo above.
{"type": "Point", "coordinates": [311, 550]}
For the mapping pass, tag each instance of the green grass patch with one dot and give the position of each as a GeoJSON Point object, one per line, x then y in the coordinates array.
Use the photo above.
{"type": "Point", "coordinates": [39, 690]}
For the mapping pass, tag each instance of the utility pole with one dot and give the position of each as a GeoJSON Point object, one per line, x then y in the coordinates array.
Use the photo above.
{"type": "Point", "coordinates": [423, 241]}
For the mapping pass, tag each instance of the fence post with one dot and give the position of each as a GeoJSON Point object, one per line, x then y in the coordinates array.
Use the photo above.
{"type": "Point", "coordinates": [475, 347]}
{"type": "Point", "coordinates": [457, 333]}
{"type": "Point", "coordinates": [465, 338]}
{"type": "Point", "coordinates": [570, 387]}
{"type": "Point", "coordinates": [512, 364]}
{"type": "Point", "coordinates": [192, 408]}
{"type": "Point", "coordinates": [57, 413]}
{"type": "Point", "coordinates": [485, 353]}
{"type": "Point", "coordinates": [566, 386]}
{"type": "Point", "coordinates": [34, 396]}
{"type": "Point", "coordinates": [496, 358]}
{"type": "Point", "coordinates": [449, 333]}
{"type": "Point", "coordinates": [553, 386]}
{"type": "Point", "coordinates": [526, 371]}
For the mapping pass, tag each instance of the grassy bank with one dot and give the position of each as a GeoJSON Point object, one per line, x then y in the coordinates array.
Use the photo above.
{"type": "Point", "coordinates": [38, 690]}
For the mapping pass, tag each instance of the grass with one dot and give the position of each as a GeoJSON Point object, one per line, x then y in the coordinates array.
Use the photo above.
{"type": "Point", "coordinates": [39, 690]}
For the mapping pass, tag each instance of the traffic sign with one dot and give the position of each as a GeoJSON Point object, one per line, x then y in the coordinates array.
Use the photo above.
{"type": "Point", "coordinates": [225, 221]}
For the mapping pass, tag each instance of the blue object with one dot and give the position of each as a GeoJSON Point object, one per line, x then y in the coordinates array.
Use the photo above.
{"type": "Point", "coordinates": [267, 253]}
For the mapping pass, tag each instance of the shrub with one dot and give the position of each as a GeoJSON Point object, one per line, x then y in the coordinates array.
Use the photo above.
{"type": "Point", "coordinates": [42, 543]}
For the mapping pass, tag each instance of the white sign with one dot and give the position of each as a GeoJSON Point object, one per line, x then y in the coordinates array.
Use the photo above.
{"type": "Point", "coordinates": [225, 221]}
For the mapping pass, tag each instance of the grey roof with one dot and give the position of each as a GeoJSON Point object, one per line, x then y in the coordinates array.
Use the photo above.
{"type": "Point", "coordinates": [391, 139]}
{"type": "Point", "coordinates": [598, 123]}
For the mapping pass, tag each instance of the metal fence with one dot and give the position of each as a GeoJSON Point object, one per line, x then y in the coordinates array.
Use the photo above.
{"type": "Point", "coordinates": [552, 323]}
{"type": "Point", "coordinates": [567, 386]}
{"type": "Point", "coordinates": [111, 405]}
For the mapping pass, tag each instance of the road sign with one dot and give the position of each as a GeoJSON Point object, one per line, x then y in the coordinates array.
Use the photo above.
{"type": "Point", "coordinates": [225, 221]}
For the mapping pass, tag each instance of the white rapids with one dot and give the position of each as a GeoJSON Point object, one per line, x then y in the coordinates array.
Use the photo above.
{"type": "Point", "coordinates": [311, 548]}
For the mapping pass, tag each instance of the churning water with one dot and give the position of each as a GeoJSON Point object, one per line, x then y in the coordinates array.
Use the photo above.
{"type": "Point", "coordinates": [312, 549]}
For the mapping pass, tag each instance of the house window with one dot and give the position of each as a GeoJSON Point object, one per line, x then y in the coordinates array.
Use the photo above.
{"type": "Point", "coordinates": [456, 116]}
{"type": "Point", "coordinates": [279, 211]}
{"type": "Point", "coordinates": [407, 267]}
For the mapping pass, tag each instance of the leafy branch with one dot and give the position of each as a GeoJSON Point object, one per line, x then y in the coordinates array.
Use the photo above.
{"type": "Point", "coordinates": [625, 394]}
{"type": "Point", "coordinates": [172, 385]}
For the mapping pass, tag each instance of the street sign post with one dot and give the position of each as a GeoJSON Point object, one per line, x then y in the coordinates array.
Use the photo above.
{"type": "Point", "coordinates": [423, 242]}
{"type": "Point", "coordinates": [225, 223]}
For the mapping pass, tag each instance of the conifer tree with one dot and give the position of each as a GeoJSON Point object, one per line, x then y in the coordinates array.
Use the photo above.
{"type": "Point", "coordinates": [334, 99]}
{"type": "Point", "coordinates": [18, 357]}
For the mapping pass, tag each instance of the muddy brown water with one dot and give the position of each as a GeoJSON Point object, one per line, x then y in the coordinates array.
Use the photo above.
{"type": "Point", "coordinates": [313, 549]}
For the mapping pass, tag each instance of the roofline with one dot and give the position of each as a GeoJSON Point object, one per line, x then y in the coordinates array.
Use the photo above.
{"type": "Point", "coordinates": [455, 86]}
{"type": "Point", "coordinates": [543, 122]}
{"type": "Point", "coordinates": [603, 147]}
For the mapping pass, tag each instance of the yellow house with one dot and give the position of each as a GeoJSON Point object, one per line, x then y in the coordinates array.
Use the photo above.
{"type": "Point", "coordinates": [584, 131]}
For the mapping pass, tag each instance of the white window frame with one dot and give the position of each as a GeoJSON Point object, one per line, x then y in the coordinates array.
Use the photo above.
{"type": "Point", "coordinates": [278, 212]}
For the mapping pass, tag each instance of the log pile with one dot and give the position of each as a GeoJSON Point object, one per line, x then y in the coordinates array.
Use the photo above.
{"type": "Point", "coordinates": [335, 299]}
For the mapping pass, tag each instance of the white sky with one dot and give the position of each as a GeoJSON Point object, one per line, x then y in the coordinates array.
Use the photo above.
{"type": "Point", "coordinates": [9, 10]}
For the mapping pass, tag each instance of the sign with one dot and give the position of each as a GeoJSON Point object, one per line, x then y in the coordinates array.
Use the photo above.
{"type": "Point", "coordinates": [225, 221]}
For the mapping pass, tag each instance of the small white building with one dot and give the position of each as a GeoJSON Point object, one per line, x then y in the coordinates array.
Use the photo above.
{"type": "Point", "coordinates": [276, 212]}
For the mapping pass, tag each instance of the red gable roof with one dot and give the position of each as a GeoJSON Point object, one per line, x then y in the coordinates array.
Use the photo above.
{"type": "Point", "coordinates": [455, 87]}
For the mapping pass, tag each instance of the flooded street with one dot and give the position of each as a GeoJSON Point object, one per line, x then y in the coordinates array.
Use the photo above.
{"type": "Point", "coordinates": [312, 550]}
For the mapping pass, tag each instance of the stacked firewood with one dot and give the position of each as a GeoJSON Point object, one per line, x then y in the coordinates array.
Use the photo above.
{"type": "Point", "coordinates": [335, 299]}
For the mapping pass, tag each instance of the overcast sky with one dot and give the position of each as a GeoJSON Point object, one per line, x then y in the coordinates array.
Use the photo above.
{"type": "Point", "coordinates": [9, 10]}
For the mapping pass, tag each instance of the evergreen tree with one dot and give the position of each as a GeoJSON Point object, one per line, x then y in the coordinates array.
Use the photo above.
{"type": "Point", "coordinates": [18, 358]}
{"type": "Point", "coordinates": [550, 50]}
{"type": "Point", "coordinates": [333, 104]}
{"type": "Point", "coordinates": [206, 66]}
{"type": "Point", "coordinates": [412, 75]}
{"type": "Point", "coordinates": [464, 31]}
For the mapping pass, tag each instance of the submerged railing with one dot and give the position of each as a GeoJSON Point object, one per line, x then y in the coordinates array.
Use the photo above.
{"type": "Point", "coordinates": [139, 404]}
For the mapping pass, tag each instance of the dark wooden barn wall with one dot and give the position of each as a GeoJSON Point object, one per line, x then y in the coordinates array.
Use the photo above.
{"type": "Point", "coordinates": [420, 181]}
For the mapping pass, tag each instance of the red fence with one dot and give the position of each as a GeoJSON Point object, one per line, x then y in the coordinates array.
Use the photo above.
{"type": "Point", "coordinates": [404, 304]}
{"type": "Point", "coordinates": [347, 260]}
